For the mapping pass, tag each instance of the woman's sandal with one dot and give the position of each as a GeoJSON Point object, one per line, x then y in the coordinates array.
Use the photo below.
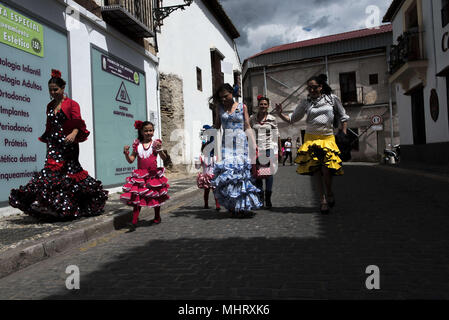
{"type": "Point", "coordinates": [324, 208]}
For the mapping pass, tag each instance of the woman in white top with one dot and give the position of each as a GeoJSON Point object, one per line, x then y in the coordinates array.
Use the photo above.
{"type": "Point", "coordinates": [268, 144]}
{"type": "Point", "coordinates": [288, 151]}
{"type": "Point", "coordinates": [319, 152]}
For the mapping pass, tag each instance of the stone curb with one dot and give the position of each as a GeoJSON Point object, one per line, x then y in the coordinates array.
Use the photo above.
{"type": "Point", "coordinates": [18, 258]}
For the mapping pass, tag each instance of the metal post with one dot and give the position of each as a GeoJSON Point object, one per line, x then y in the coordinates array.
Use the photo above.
{"type": "Point", "coordinates": [390, 97]}
{"type": "Point", "coordinates": [391, 115]}
{"type": "Point", "coordinates": [327, 70]}
{"type": "Point", "coordinates": [264, 82]}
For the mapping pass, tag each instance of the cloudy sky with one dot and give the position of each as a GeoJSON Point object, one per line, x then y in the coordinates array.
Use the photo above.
{"type": "Point", "coordinates": [263, 24]}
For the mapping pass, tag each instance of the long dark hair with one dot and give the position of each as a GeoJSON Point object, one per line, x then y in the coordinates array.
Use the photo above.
{"type": "Point", "coordinates": [322, 81]}
{"type": "Point", "coordinates": [215, 101]}
{"type": "Point", "coordinates": [145, 123]}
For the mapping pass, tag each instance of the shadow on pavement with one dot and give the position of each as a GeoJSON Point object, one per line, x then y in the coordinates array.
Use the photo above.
{"type": "Point", "coordinates": [295, 209]}
{"type": "Point", "coordinates": [394, 221]}
{"type": "Point", "coordinates": [211, 214]}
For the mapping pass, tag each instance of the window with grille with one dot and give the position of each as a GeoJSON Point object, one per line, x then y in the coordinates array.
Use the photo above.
{"type": "Point", "coordinates": [237, 82]}
{"type": "Point", "coordinates": [217, 75]}
{"type": "Point", "coordinates": [348, 87]}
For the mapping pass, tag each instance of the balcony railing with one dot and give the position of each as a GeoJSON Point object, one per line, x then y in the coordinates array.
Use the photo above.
{"type": "Point", "coordinates": [407, 49]}
{"type": "Point", "coordinates": [130, 16]}
{"type": "Point", "coordinates": [351, 98]}
{"type": "Point", "coordinates": [445, 15]}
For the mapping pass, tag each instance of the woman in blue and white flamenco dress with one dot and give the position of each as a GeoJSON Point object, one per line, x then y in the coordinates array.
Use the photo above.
{"type": "Point", "coordinates": [233, 182]}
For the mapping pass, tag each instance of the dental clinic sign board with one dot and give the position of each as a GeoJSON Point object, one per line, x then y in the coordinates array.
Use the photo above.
{"type": "Point", "coordinates": [20, 32]}
{"type": "Point", "coordinates": [119, 99]}
{"type": "Point", "coordinates": [24, 74]}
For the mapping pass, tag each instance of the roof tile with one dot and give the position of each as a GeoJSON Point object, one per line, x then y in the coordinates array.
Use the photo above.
{"type": "Point", "coordinates": [328, 39]}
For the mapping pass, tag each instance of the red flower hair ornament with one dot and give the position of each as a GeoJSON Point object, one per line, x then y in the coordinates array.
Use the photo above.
{"type": "Point", "coordinates": [138, 124]}
{"type": "Point", "coordinates": [259, 97]}
{"type": "Point", "coordinates": [55, 73]}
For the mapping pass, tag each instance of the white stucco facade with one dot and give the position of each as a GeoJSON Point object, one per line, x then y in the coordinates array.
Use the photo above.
{"type": "Point", "coordinates": [185, 43]}
{"type": "Point", "coordinates": [435, 40]}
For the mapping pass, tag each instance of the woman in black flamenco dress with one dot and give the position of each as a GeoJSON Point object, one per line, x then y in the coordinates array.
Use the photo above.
{"type": "Point", "coordinates": [62, 188]}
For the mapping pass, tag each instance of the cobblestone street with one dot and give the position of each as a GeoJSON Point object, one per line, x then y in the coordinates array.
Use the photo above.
{"type": "Point", "coordinates": [392, 219]}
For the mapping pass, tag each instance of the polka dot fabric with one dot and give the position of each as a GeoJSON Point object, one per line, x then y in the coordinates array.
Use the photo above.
{"type": "Point", "coordinates": [62, 188]}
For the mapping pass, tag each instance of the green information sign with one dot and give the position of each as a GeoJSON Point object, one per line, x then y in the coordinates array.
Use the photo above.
{"type": "Point", "coordinates": [23, 99]}
{"type": "Point", "coordinates": [20, 32]}
{"type": "Point", "coordinates": [119, 99]}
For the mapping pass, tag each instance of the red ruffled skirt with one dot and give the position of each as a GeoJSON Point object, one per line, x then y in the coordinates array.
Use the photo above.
{"type": "Point", "coordinates": [203, 180]}
{"type": "Point", "coordinates": [146, 188]}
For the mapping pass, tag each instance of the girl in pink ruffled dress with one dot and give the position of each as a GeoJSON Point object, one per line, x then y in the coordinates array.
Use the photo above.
{"type": "Point", "coordinates": [147, 187]}
{"type": "Point", "coordinates": [206, 164]}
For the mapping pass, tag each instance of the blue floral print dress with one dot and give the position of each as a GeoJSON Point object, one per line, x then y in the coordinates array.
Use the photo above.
{"type": "Point", "coordinates": [233, 184]}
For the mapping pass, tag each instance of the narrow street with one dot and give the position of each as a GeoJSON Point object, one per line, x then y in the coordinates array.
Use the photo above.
{"type": "Point", "coordinates": [394, 220]}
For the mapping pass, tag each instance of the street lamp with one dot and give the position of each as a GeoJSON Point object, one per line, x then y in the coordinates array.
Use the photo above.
{"type": "Point", "coordinates": [160, 13]}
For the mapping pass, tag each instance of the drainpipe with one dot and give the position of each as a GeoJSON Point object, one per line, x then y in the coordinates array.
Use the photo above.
{"type": "Point", "coordinates": [327, 69]}
{"type": "Point", "coordinates": [264, 81]}
{"type": "Point", "coordinates": [390, 98]}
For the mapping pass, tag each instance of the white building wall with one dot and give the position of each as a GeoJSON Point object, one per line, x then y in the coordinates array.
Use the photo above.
{"type": "Point", "coordinates": [440, 63]}
{"type": "Point", "coordinates": [436, 131]}
{"type": "Point", "coordinates": [405, 115]}
{"type": "Point", "coordinates": [403, 101]}
{"type": "Point", "coordinates": [185, 43]}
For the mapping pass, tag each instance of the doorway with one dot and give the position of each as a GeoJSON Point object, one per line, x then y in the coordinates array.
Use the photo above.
{"type": "Point", "coordinates": [418, 117]}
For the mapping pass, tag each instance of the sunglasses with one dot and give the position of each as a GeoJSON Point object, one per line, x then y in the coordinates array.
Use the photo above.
{"type": "Point", "coordinates": [313, 87]}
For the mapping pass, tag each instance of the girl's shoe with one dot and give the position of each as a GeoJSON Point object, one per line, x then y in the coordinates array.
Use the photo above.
{"type": "Point", "coordinates": [217, 209]}
{"type": "Point", "coordinates": [157, 221]}
{"type": "Point", "coordinates": [206, 207]}
{"type": "Point", "coordinates": [132, 227]}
